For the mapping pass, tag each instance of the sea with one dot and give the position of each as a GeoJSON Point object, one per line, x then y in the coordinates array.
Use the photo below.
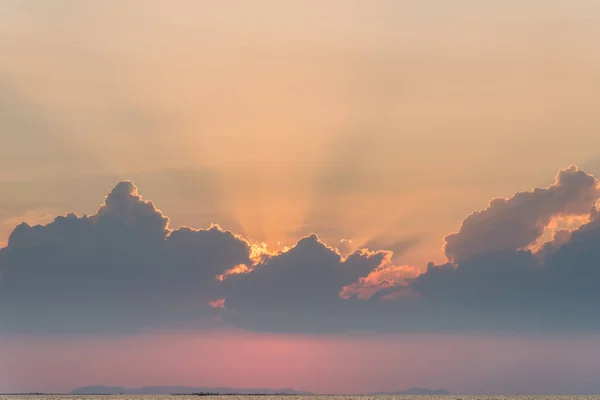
{"type": "Point", "coordinates": [287, 397]}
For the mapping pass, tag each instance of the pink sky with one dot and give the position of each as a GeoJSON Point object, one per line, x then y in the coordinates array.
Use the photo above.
{"type": "Point", "coordinates": [352, 363]}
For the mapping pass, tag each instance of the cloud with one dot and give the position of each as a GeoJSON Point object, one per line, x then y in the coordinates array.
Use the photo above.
{"type": "Point", "coordinates": [124, 269]}
{"type": "Point", "coordinates": [117, 270]}
{"type": "Point", "coordinates": [515, 290]}
{"type": "Point", "coordinates": [516, 222]}
{"type": "Point", "coordinates": [573, 272]}
{"type": "Point", "coordinates": [297, 289]}
{"type": "Point", "coordinates": [126, 205]}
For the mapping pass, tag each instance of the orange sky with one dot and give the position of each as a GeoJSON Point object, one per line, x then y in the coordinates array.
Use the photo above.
{"type": "Point", "coordinates": [383, 119]}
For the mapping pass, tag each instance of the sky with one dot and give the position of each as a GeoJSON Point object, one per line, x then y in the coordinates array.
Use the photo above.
{"type": "Point", "coordinates": [389, 193]}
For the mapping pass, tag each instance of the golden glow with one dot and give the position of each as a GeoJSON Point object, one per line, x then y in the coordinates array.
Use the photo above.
{"type": "Point", "coordinates": [559, 223]}
{"type": "Point", "coordinates": [385, 276]}
{"type": "Point", "coordinates": [237, 270]}
{"type": "Point", "coordinates": [258, 251]}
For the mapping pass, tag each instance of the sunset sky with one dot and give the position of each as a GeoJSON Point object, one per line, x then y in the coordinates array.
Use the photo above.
{"type": "Point", "coordinates": [404, 194]}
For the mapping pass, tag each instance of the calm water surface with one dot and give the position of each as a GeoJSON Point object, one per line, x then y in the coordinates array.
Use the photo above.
{"type": "Point", "coordinates": [159, 397]}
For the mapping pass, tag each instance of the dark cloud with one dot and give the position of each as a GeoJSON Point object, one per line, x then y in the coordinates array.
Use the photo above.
{"type": "Point", "coordinates": [515, 290]}
{"type": "Point", "coordinates": [298, 290]}
{"type": "Point", "coordinates": [499, 284]}
{"type": "Point", "coordinates": [123, 269]}
{"type": "Point", "coordinates": [574, 270]}
{"type": "Point", "coordinates": [120, 269]}
{"type": "Point", "coordinates": [517, 222]}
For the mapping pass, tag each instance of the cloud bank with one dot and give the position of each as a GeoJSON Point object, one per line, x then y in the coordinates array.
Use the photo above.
{"type": "Point", "coordinates": [124, 269]}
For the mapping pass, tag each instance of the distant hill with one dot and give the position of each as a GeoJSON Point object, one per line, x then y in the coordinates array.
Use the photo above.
{"type": "Point", "coordinates": [165, 390]}
{"type": "Point", "coordinates": [414, 392]}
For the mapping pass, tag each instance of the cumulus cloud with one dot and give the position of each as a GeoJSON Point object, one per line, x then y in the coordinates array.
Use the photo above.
{"type": "Point", "coordinates": [126, 205]}
{"type": "Point", "coordinates": [297, 289]}
{"type": "Point", "coordinates": [510, 288]}
{"type": "Point", "coordinates": [124, 269]}
{"type": "Point", "coordinates": [516, 222]}
{"type": "Point", "coordinates": [119, 269]}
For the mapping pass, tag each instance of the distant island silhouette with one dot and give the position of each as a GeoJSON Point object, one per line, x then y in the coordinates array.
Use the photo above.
{"type": "Point", "coordinates": [413, 392]}
{"type": "Point", "coordinates": [200, 391]}
{"type": "Point", "coordinates": [224, 390]}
